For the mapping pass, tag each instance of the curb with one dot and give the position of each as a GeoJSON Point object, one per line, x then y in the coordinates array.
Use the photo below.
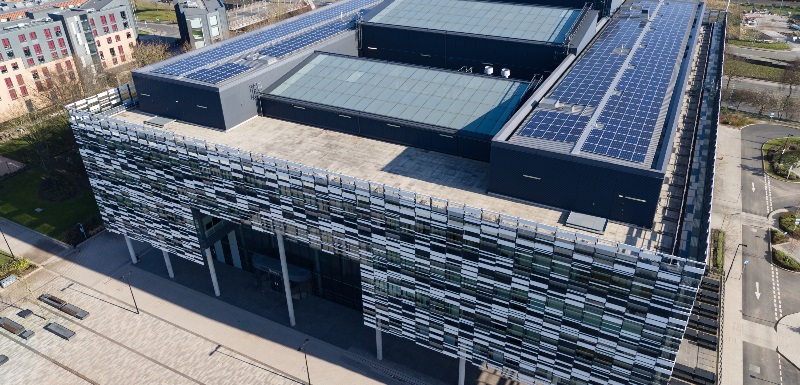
{"type": "Point", "coordinates": [778, 348]}
{"type": "Point", "coordinates": [12, 223]}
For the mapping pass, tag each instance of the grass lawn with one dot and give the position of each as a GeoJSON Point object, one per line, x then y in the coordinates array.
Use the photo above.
{"type": "Point", "coordinates": [5, 258]}
{"type": "Point", "coordinates": [779, 142]}
{"type": "Point", "coordinates": [19, 200]}
{"type": "Point", "coordinates": [758, 72]}
{"type": "Point", "coordinates": [147, 11]}
{"type": "Point", "coordinates": [745, 43]}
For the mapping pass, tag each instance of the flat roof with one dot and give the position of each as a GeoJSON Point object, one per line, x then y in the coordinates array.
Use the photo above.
{"type": "Point", "coordinates": [454, 100]}
{"type": "Point", "coordinates": [252, 50]}
{"type": "Point", "coordinates": [430, 173]}
{"type": "Point", "coordinates": [517, 21]}
{"type": "Point", "coordinates": [614, 104]}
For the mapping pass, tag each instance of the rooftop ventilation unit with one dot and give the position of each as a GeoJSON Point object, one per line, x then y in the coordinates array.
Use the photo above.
{"type": "Point", "coordinates": [488, 70]}
{"type": "Point", "coordinates": [505, 72]}
{"type": "Point", "coordinates": [192, 4]}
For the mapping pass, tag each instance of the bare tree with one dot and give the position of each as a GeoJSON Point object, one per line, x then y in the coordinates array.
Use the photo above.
{"type": "Point", "coordinates": [765, 99]}
{"type": "Point", "coordinates": [150, 52]}
{"type": "Point", "coordinates": [734, 68]}
{"type": "Point", "coordinates": [791, 75]}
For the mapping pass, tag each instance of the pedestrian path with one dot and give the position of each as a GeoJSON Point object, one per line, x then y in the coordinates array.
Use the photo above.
{"type": "Point", "coordinates": [789, 338]}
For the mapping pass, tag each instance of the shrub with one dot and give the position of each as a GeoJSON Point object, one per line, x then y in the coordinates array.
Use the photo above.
{"type": "Point", "coordinates": [784, 260]}
{"type": "Point", "coordinates": [778, 237]}
{"type": "Point", "coordinates": [14, 266]}
{"type": "Point", "coordinates": [718, 240]}
{"type": "Point", "coordinates": [786, 223]}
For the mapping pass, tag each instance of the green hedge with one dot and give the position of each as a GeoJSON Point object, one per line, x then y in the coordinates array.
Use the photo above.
{"type": "Point", "coordinates": [779, 237]}
{"type": "Point", "coordinates": [718, 240]}
{"type": "Point", "coordinates": [784, 260]}
{"type": "Point", "coordinates": [749, 43]}
{"type": "Point", "coordinates": [13, 266]}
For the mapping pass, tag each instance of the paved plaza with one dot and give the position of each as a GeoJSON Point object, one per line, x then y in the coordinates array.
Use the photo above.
{"type": "Point", "coordinates": [182, 333]}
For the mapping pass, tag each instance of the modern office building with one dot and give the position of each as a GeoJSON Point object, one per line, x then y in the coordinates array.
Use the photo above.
{"type": "Point", "coordinates": [283, 151]}
{"type": "Point", "coordinates": [201, 22]}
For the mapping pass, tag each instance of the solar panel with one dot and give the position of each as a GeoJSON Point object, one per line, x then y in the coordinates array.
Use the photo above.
{"type": "Point", "coordinates": [628, 119]}
{"type": "Point", "coordinates": [219, 73]}
{"type": "Point", "coordinates": [259, 39]}
{"type": "Point", "coordinates": [299, 42]}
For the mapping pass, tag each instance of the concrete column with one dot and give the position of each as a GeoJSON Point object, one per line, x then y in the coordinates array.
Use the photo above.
{"type": "Point", "coordinates": [211, 269]}
{"type": "Point", "coordinates": [462, 365]}
{"type": "Point", "coordinates": [130, 249]}
{"type": "Point", "coordinates": [378, 340]}
{"type": "Point", "coordinates": [237, 260]}
{"type": "Point", "coordinates": [169, 264]}
{"type": "Point", "coordinates": [287, 288]}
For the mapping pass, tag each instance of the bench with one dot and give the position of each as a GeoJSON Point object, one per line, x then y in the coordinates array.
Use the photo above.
{"type": "Point", "coordinates": [62, 305]}
{"type": "Point", "coordinates": [59, 330]}
{"type": "Point", "coordinates": [27, 334]}
{"type": "Point", "coordinates": [11, 326]}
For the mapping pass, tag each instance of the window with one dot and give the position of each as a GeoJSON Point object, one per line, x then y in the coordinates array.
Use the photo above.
{"type": "Point", "coordinates": [112, 52]}
{"type": "Point", "coordinates": [39, 86]}
{"type": "Point", "coordinates": [10, 54]}
{"type": "Point", "coordinates": [31, 63]}
{"type": "Point", "coordinates": [97, 42]}
{"type": "Point", "coordinates": [26, 51]}
{"type": "Point", "coordinates": [91, 22]}
{"type": "Point", "coordinates": [114, 60]}
{"type": "Point", "coordinates": [108, 40]}
{"type": "Point", "coordinates": [118, 38]}
{"type": "Point", "coordinates": [24, 91]}
{"type": "Point", "coordinates": [13, 94]}
{"type": "Point", "coordinates": [46, 72]}
{"type": "Point", "coordinates": [114, 28]}
{"type": "Point", "coordinates": [3, 69]}
{"type": "Point", "coordinates": [20, 80]}
{"type": "Point", "coordinates": [123, 15]}
{"type": "Point", "coordinates": [94, 32]}
{"type": "Point", "coordinates": [51, 44]}
{"type": "Point", "coordinates": [40, 58]}
{"type": "Point", "coordinates": [54, 55]}
{"type": "Point", "coordinates": [35, 74]}
{"type": "Point", "coordinates": [9, 83]}
{"type": "Point", "coordinates": [127, 35]}
{"type": "Point", "coordinates": [112, 18]}
{"type": "Point", "coordinates": [125, 24]}
{"type": "Point", "coordinates": [64, 52]}
{"type": "Point", "coordinates": [47, 33]}
{"type": "Point", "coordinates": [6, 43]}
{"type": "Point", "coordinates": [102, 56]}
{"type": "Point", "coordinates": [106, 30]}
{"type": "Point", "coordinates": [14, 66]}
{"type": "Point", "coordinates": [103, 20]}
{"type": "Point", "coordinates": [61, 43]}
{"type": "Point", "coordinates": [33, 35]}
{"type": "Point", "coordinates": [22, 38]}
{"type": "Point", "coordinates": [58, 31]}
{"type": "Point", "coordinates": [122, 57]}
{"type": "Point", "coordinates": [58, 68]}
{"type": "Point", "coordinates": [37, 48]}
{"type": "Point", "coordinates": [120, 50]}
{"type": "Point", "coordinates": [69, 65]}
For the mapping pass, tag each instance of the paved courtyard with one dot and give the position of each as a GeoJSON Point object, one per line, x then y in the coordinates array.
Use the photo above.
{"type": "Point", "coordinates": [182, 333]}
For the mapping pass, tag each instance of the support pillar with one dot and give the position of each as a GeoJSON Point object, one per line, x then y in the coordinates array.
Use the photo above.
{"type": "Point", "coordinates": [379, 340]}
{"type": "Point", "coordinates": [234, 245]}
{"type": "Point", "coordinates": [287, 288]}
{"type": "Point", "coordinates": [134, 259]}
{"type": "Point", "coordinates": [211, 269]}
{"type": "Point", "coordinates": [462, 365]}
{"type": "Point", "coordinates": [169, 264]}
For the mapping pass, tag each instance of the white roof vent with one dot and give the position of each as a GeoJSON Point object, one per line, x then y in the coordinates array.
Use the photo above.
{"type": "Point", "coordinates": [488, 70]}
{"type": "Point", "coordinates": [505, 72]}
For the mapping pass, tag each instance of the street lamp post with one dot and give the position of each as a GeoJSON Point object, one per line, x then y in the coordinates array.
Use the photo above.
{"type": "Point", "coordinates": [302, 348]}
{"type": "Point", "coordinates": [785, 144]}
{"type": "Point", "coordinates": [131, 289]}
{"type": "Point", "coordinates": [7, 245]}
{"type": "Point", "coordinates": [732, 262]}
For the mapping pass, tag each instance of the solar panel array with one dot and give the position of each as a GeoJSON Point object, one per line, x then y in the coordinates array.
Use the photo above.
{"type": "Point", "coordinates": [629, 118]}
{"type": "Point", "coordinates": [297, 43]}
{"type": "Point", "coordinates": [555, 125]}
{"type": "Point", "coordinates": [219, 73]}
{"type": "Point", "coordinates": [627, 122]}
{"type": "Point", "coordinates": [230, 49]}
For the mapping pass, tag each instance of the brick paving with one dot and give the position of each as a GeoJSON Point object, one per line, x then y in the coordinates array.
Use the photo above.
{"type": "Point", "coordinates": [181, 336]}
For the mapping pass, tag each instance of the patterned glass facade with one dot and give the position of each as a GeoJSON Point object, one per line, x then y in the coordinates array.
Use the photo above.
{"type": "Point", "coordinates": [536, 302]}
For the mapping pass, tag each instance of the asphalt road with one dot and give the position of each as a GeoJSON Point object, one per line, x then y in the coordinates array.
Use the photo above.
{"type": "Point", "coordinates": [755, 199]}
{"type": "Point", "coordinates": [767, 53]}
{"type": "Point", "coordinates": [168, 30]}
{"type": "Point", "coordinates": [768, 293]}
{"type": "Point", "coordinates": [757, 85]}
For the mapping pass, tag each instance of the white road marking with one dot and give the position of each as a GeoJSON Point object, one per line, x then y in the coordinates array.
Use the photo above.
{"type": "Point", "coordinates": [754, 186]}
{"type": "Point", "coordinates": [758, 293]}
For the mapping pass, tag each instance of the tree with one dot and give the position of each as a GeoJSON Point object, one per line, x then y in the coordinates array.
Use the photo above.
{"type": "Point", "coordinates": [791, 75]}
{"type": "Point", "coordinates": [734, 68]}
{"type": "Point", "coordinates": [149, 52]}
{"type": "Point", "coordinates": [765, 99]}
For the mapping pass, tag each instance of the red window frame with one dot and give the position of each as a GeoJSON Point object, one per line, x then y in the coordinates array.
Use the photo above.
{"type": "Point", "coordinates": [51, 44]}
{"type": "Point", "coordinates": [37, 48]}
{"type": "Point", "coordinates": [61, 42]}
{"type": "Point", "coordinates": [32, 35]}
{"type": "Point", "coordinates": [20, 80]}
{"type": "Point", "coordinates": [22, 38]}
{"type": "Point", "coordinates": [13, 94]}
{"type": "Point", "coordinates": [9, 83]}
{"type": "Point", "coordinates": [47, 33]}
{"type": "Point", "coordinates": [23, 91]}
{"type": "Point", "coordinates": [103, 20]}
